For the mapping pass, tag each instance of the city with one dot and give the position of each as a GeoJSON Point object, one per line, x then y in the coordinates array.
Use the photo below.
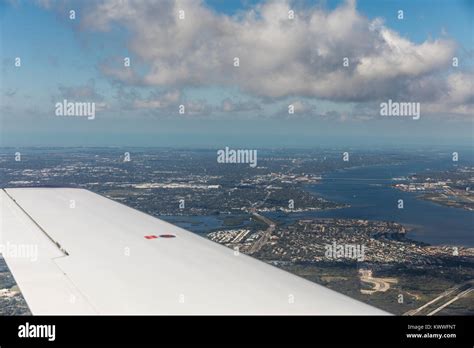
{"type": "Point", "coordinates": [269, 212]}
{"type": "Point", "coordinates": [452, 188]}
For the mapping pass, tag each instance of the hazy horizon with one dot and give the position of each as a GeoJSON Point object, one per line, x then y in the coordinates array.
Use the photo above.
{"type": "Point", "coordinates": [253, 74]}
{"type": "Point", "coordinates": [258, 73]}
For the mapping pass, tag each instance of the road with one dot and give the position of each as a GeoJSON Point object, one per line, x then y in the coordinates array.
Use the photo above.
{"type": "Point", "coordinates": [457, 297]}
{"type": "Point", "coordinates": [453, 294]}
{"type": "Point", "coordinates": [266, 235]}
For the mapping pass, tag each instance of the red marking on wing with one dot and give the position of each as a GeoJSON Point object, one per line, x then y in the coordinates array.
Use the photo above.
{"type": "Point", "coordinates": [151, 237]}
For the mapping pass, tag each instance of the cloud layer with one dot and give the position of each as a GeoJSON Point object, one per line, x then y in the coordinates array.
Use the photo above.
{"type": "Point", "coordinates": [338, 55]}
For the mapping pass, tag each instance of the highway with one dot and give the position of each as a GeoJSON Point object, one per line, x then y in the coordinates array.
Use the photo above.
{"type": "Point", "coordinates": [451, 295]}
{"type": "Point", "coordinates": [266, 235]}
{"type": "Point", "coordinates": [457, 297]}
{"type": "Point", "coordinates": [268, 232]}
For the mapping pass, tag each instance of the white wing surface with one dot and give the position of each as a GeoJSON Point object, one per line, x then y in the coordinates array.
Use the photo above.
{"type": "Point", "coordinates": [97, 256]}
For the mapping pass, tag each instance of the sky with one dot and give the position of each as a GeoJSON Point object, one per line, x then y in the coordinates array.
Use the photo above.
{"type": "Point", "coordinates": [333, 62]}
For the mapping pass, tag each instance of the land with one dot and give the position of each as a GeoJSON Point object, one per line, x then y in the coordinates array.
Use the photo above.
{"type": "Point", "coordinates": [373, 261]}
{"type": "Point", "coordinates": [12, 301]}
{"type": "Point", "coordinates": [450, 188]}
{"type": "Point", "coordinates": [156, 181]}
{"type": "Point", "coordinates": [391, 273]}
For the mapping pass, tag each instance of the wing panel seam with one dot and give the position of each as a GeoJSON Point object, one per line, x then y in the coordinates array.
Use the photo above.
{"type": "Point", "coordinates": [37, 224]}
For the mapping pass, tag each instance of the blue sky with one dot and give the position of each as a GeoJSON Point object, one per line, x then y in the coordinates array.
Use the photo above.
{"type": "Point", "coordinates": [185, 63]}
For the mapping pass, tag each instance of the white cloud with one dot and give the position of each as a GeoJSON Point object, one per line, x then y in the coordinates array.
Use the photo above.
{"type": "Point", "coordinates": [279, 57]}
{"type": "Point", "coordinates": [456, 97]}
{"type": "Point", "coordinates": [87, 91]}
{"type": "Point", "coordinates": [158, 101]}
{"type": "Point", "coordinates": [229, 105]}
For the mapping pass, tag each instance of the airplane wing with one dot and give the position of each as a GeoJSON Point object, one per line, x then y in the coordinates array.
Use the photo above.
{"type": "Point", "coordinates": [97, 256]}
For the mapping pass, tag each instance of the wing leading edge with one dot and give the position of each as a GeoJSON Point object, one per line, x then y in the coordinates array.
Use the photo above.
{"type": "Point", "coordinates": [97, 256]}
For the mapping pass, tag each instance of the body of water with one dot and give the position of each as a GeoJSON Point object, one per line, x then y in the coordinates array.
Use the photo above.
{"type": "Point", "coordinates": [370, 195]}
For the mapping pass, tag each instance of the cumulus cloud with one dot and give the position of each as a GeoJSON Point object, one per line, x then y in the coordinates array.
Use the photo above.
{"type": "Point", "coordinates": [229, 105]}
{"type": "Point", "coordinates": [279, 57]}
{"type": "Point", "coordinates": [158, 101]}
{"type": "Point", "coordinates": [87, 91]}
{"type": "Point", "coordinates": [456, 96]}
{"type": "Point", "coordinates": [166, 102]}
{"type": "Point", "coordinates": [82, 93]}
